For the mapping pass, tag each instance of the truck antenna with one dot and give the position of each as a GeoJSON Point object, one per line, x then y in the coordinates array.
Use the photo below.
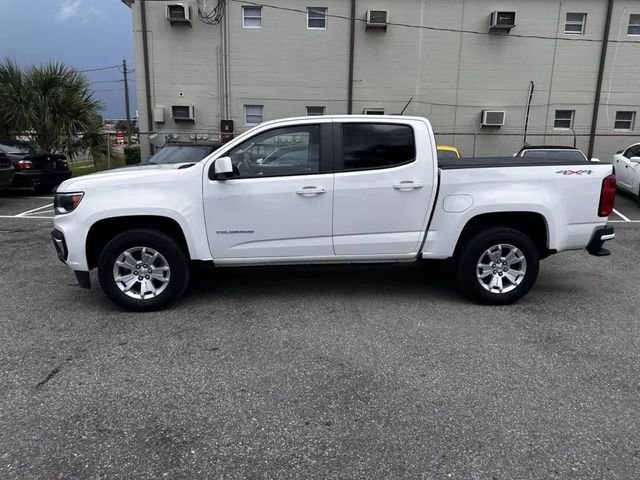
{"type": "Point", "coordinates": [405, 107]}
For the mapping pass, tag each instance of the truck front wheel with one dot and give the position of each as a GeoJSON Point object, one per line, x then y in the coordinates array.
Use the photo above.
{"type": "Point", "coordinates": [143, 270]}
{"type": "Point", "coordinates": [497, 266]}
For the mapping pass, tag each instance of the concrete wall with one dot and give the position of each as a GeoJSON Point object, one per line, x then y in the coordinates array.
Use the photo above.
{"type": "Point", "coordinates": [452, 76]}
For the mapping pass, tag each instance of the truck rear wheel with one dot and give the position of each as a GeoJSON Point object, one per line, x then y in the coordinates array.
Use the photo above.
{"type": "Point", "coordinates": [143, 270]}
{"type": "Point", "coordinates": [497, 266]}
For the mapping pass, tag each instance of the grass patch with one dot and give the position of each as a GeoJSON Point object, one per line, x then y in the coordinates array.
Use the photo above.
{"type": "Point", "coordinates": [85, 168]}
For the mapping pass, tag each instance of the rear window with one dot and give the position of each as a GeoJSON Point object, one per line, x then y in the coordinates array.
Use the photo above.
{"type": "Point", "coordinates": [570, 155]}
{"type": "Point", "coordinates": [181, 154]}
{"type": "Point", "coordinates": [17, 147]}
{"type": "Point", "coordinates": [377, 145]}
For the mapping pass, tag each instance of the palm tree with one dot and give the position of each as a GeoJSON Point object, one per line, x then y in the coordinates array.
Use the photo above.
{"type": "Point", "coordinates": [53, 104]}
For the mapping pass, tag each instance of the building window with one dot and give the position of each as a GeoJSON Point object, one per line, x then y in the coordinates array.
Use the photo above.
{"type": "Point", "coordinates": [253, 114]}
{"type": "Point", "coordinates": [575, 23]}
{"type": "Point", "coordinates": [376, 145]}
{"type": "Point", "coordinates": [634, 24]}
{"type": "Point", "coordinates": [564, 119]}
{"type": "Point", "coordinates": [374, 111]}
{"type": "Point", "coordinates": [251, 17]}
{"type": "Point", "coordinates": [625, 120]}
{"type": "Point", "coordinates": [315, 110]}
{"type": "Point", "coordinates": [317, 17]}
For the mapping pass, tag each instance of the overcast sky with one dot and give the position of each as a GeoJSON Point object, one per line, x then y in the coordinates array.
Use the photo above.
{"type": "Point", "coordinates": [82, 33]}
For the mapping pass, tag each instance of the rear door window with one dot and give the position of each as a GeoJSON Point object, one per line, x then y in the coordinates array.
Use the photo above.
{"type": "Point", "coordinates": [367, 146]}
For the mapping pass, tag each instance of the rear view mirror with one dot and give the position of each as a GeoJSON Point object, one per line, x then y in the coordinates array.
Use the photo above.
{"type": "Point", "coordinates": [635, 159]}
{"type": "Point", "coordinates": [222, 169]}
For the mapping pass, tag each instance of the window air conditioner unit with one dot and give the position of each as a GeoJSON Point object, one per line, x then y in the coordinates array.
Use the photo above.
{"type": "Point", "coordinates": [492, 118]}
{"type": "Point", "coordinates": [377, 19]}
{"type": "Point", "coordinates": [502, 21]}
{"type": "Point", "coordinates": [179, 13]}
{"type": "Point", "coordinates": [183, 113]}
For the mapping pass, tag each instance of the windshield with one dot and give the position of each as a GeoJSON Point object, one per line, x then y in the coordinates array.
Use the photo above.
{"type": "Point", "coordinates": [442, 154]}
{"type": "Point", "coordinates": [181, 154]}
{"type": "Point", "coordinates": [571, 155]}
{"type": "Point", "coordinates": [17, 147]}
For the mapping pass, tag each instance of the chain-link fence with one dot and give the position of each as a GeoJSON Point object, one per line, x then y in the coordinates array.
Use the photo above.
{"type": "Point", "coordinates": [485, 144]}
{"type": "Point", "coordinates": [470, 144]}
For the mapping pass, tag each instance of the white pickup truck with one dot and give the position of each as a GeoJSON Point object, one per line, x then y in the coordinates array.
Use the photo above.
{"type": "Point", "coordinates": [332, 189]}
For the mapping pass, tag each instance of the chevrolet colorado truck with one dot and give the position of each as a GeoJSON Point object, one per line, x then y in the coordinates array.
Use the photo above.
{"type": "Point", "coordinates": [331, 189]}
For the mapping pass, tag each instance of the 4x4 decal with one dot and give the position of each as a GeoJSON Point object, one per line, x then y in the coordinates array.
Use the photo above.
{"type": "Point", "coordinates": [575, 172]}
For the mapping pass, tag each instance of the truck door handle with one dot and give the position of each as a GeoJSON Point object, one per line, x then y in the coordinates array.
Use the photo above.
{"type": "Point", "coordinates": [407, 185]}
{"type": "Point", "coordinates": [310, 191]}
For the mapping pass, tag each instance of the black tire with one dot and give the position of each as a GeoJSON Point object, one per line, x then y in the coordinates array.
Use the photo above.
{"type": "Point", "coordinates": [475, 248]}
{"type": "Point", "coordinates": [172, 254]}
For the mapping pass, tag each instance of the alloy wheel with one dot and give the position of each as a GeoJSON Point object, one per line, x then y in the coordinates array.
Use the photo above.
{"type": "Point", "coordinates": [141, 273]}
{"type": "Point", "coordinates": [501, 268]}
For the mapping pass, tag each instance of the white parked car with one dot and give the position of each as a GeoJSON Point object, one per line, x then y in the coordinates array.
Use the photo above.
{"type": "Point", "coordinates": [626, 166]}
{"type": "Point", "coordinates": [557, 152]}
{"type": "Point", "coordinates": [356, 189]}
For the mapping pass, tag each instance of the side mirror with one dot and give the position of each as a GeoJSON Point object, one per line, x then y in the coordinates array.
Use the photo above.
{"type": "Point", "coordinates": [595, 160]}
{"type": "Point", "coordinates": [222, 169]}
{"type": "Point", "coordinates": [635, 159]}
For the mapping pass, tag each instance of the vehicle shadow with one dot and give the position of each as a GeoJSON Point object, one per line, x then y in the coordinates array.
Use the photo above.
{"type": "Point", "coordinates": [23, 192]}
{"type": "Point", "coordinates": [398, 279]}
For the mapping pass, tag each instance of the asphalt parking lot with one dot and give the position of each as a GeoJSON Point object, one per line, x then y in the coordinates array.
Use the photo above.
{"type": "Point", "coordinates": [324, 372]}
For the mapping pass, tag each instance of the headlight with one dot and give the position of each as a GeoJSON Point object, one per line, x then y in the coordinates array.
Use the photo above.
{"type": "Point", "coordinates": [66, 202]}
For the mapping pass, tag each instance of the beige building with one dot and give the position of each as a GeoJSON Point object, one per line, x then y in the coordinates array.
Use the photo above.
{"type": "Point", "coordinates": [473, 67]}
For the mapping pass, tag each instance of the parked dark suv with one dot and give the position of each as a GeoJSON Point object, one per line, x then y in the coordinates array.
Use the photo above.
{"type": "Point", "coordinates": [42, 171]}
{"type": "Point", "coordinates": [182, 153]}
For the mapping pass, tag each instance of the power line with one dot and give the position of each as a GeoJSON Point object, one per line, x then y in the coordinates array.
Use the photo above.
{"type": "Point", "coordinates": [110, 90]}
{"type": "Point", "coordinates": [436, 29]}
{"type": "Point", "coordinates": [211, 17]}
{"type": "Point", "coordinates": [98, 69]}
{"type": "Point", "coordinates": [106, 81]}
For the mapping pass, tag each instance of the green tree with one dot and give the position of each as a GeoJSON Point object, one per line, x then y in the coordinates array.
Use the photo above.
{"type": "Point", "coordinates": [122, 125]}
{"type": "Point", "coordinates": [53, 105]}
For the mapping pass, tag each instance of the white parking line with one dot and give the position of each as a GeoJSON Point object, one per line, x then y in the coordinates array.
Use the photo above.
{"type": "Point", "coordinates": [24, 214]}
{"type": "Point", "coordinates": [621, 215]}
{"type": "Point", "coordinates": [27, 216]}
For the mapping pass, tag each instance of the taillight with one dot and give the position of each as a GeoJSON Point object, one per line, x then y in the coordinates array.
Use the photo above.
{"type": "Point", "coordinates": [24, 165]}
{"type": "Point", "coordinates": [5, 164]}
{"type": "Point", "coordinates": [607, 196]}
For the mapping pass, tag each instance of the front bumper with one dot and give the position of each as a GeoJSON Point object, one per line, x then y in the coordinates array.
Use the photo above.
{"type": "Point", "coordinates": [600, 235]}
{"type": "Point", "coordinates": [60, 244]}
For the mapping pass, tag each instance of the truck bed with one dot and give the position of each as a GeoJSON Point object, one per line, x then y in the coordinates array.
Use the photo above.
{"type": "Point", "coordinates": [493, 162]}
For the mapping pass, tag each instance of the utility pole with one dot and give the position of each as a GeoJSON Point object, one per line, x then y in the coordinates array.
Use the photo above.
{"type": "Point", "coordinates": [126, 100]}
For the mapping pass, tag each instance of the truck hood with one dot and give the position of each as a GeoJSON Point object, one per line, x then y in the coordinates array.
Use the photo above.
{"type": "Point", "coordinates": [134, 175]}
